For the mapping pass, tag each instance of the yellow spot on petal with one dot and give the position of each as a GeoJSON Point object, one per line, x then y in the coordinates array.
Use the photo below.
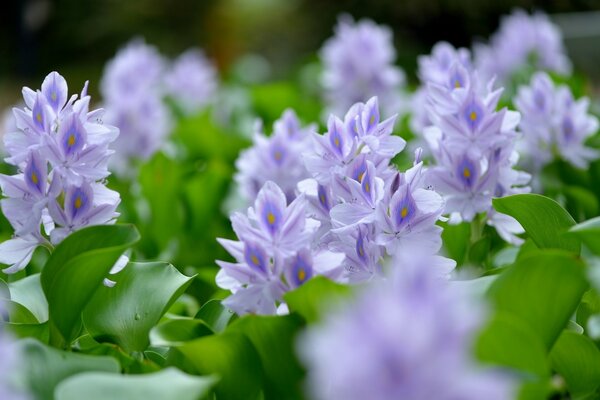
{"type": "Point", "coordinates": [301, 275]}
{"type": "Point", "coordinates": [473, 116]}
{"type": "Point", "coordinates": [255, 260]}
{"type": "Point", "coordinates": [71, 140]}
{"type": "Point", "coordinates": [404, 212]}
{"type": "Point", "coordinates": [367, 187]}
{"type": "Point", "coordinates": [361, 176]}
{"type": "Point", "coordinates": [277, 155]}
{"type": "Point", "coordinates": [361, 251]}
{"type": "Point", "coordinates": [456, 83]}
{"type": "Point", "coordinates": [78, 203]}
{"type": "Point", "coordinates": [271, 218]}
{"type": "Point", "coordinates": [34, 178]}
{"type": "Point", "coordinates": [38, 117]}
{"type": "Point", "coordinates": [466, 172]}
{"type": "Point", "coordinates": [53, 96]}
{"type": "Point", "coordinates": [322, 198]}
{"type": "Point", "coordinates": [372, 120]}
{"type": "Point", "coordinates": [336, 142]}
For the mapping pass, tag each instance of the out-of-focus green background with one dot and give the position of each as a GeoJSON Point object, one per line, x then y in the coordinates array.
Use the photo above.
{"type": "Point", "coordinates": [78, 37]}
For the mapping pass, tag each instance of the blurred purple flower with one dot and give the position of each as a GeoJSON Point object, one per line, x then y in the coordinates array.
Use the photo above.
{"type": "Point", "coordinates": [192, 81]}
{"type": "Point", "coordinates": [359, 64]}
{"type": "Point", "coordinates": [408, 338]}
{"type": "Point", "coordinates": [522, 40]}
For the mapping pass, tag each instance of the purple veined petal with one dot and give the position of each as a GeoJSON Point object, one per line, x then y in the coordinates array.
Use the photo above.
{"type": "Point", "coordinates": [17, 253]}
{"type": "Point", "coordinates": [370, 115]}
{"type": "Point", "coordinates": [402, 208]}
{"type": "Point", "coordinates": [233, 247]}
{"type": "Point", "coordinates": [29, 97]}
{"type": "Point", "coordinates": [270, 207]}
{"type": "Point", "coordinates": [55, 90]}
{"type": "Point", "coordinates": [473, 114]}
{"type": "Point", "coordinates": [39, 113]}
{"type": "Point", "coordinates": [256, 258]}
{"type": "Point", "coordinates": [295, 218]}
{"type": "Point", "coordinates": [467, 172]}
{"type": "Point", "coordinates": [358, 168]}
{"type": "Point", "coordinates": [278, 153]}
{"type": "Point", "coordinates": [78, 201]}
{"type": "Point", "coordinates": [336, 136]}
{"type": "Point", "coordinates": [324, 198]}
{"type": "Point", "coordinates": [360, 247]}
{"type": "Point", "coordinates": [300, 268]}
{"type": "Point", "coordinates": [36, 174]}
{"type": "Point", "coordinates": [72, 135]}
{"type": "Point", "coordinates": [567, 128]}
{"type": "Point", "coordinates": [13, 186]}
{"type": "Point", "coordinates": [352, 120]}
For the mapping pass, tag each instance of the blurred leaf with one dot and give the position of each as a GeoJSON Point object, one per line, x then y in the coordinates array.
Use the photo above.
{"type": "Point", "coordinates": [125, 313]}
{"type": "Point", "coordinates": [543, 289]}
{"type": "Point", "coordinates": [76, 270]}
{"type": "Point", "coordinates": [17, 313]}
{"type": "Point", "coordinates": [577, 359]}
{"type": "Point", "coordinates": [28, 292]}
{"type": "Point", "coordinates": [456, 241]}
{"type": "Point", "coordinates": [231, 356]}
{"type": "Point", "coordinates": [44, 367]}
{"type": "Point", "coordinates": [589, 233]}
{"type": "Point", "coordinates": [215, 315]}
{"type": "Point", "coordinates": [35, 330]}
{"type": "Point", "coordinates": [314, 297]}
{"type": "Point", "coordinates": [273, 337]}
{"type": "Point", "coordinates": [581, 202]}
{"type": "Point", "coordinates": [167, 384]}
{"type": "Point", "coordinates": [543, 219]}
{"type": "Point", "coordinates": [175, 332]}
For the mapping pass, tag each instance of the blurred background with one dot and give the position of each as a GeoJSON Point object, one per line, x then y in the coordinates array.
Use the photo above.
{"type": "Point", "coordinates": [78, 37]}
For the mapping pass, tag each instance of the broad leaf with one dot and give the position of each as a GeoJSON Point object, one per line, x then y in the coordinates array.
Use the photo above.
{"type": "Point", "coordinates": [125, 313]}
{"type": "Point", "coordinates": [28, 292]}
{"type": "Point", "coordinates": [577, 359]}
{"type": "Point", "coordinates": [215, 315]}
{"type": "Point", "coordinates": [167, 384]}
{"type": "Point", "coordinates": [76, 270]}
{"type": "Point", "coordinates": [589, 233]}
{"type": "Point", "coordinates": [315, 296]}
{"type": "Point", "coordinates": [175, 332]}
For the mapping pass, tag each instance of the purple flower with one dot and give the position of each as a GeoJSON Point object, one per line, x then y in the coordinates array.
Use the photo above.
{"type": "Point", "coordinates": [359, 64]}
{"type": "Point", "coordinates": [554, 123]}
{"type": "Point", "coordinates": [59, 145]}
{"type": "Point", "coordinates": [523, 40]}
{"type": "Point", "coordinates": [273, 253]}
{"type": "Point", "coordinates": [401, 339]}
{"type": "Point", "coordinates": [192, 81]}
{"type": "Point", "coordinates": [277, 158]}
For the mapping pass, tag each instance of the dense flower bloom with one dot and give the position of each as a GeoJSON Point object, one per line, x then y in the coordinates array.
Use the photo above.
{"type": "Point", "coordinates": [273, 253]}
{"type": "Point", "coordinates": [276, 158]}
{"type": "Point", "coordinates": [554, 123]}
{"type": "Point", "coordinates": [407, 338]}
{"type": "Point", "coordinates": [520, 41]}
{"type": "Point", "coordinates": [61, 151]}
{"type": "Point", "coordinates": [359, 64]}
{"type": "Point", "coordinates": [191, 81]}
{"type": "Point", "coordinates": [132, 89]}
{"type": "Point", "coordinates": [473, 146]}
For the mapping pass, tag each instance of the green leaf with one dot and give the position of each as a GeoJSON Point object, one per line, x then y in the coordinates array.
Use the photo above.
{"type": "Point", "coordinates": [76, 270]}
{"type": "Point", "coordinates": [36, 331]}
{"type": "Point", "coordinates": [544, 220]}
{"type": "Point", "coordinates": [125, 313]}
{"type": "Point", "coordinates": [577, 359]}
{"type": "Point", "coordinates": [543, 290]}
{"type": "Point", "coordinates": [28, 292]}
{"type": "Point", "coordinates": [315, 296]}
{"type": "Point", "coordinates": [167, 384]}
{"type": "Point", "coordinates": [273, 337]}
{"type": "Point", "coordinates": [456, 241]}
{"type": "Point", "coordinates": [17, 313]}
{"type": "Point", "coordinates": [44, 367]}
{"type": "Point", "coordinates": [215, 315]}
{"type": "Point", "coordinates": [231, 356]}
{"type": "Point", "coordinates": [589, 233]}
{"type": "Point", "coordinates": [175, 332]}
{"type": "Point", "coordinates": [508, 341]}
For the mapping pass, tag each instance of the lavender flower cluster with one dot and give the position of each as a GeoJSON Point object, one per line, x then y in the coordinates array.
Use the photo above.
{"type": "Point", "coordinates": [554, 124]}
{"type": "Point", "coordinates": [358, 64]}
{"type": "Point", "coordinates": [61, 149]}
{"type": "Point", "coordinates": [352, 210]}
{"type": "Point", "coordinates": [406, 338]}
{"type": "Point", "coordinates": [134, 86]}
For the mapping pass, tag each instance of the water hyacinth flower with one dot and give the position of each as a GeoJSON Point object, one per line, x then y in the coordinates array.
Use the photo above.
{"type": "Point", "coordinates": [191, 81]}
{"type": "Point", "coordinates": [272, 254]}
{"type": "Point", "coordinates": [473, 146]}
{"type": "Point", "coordinates": [276, 158]}
{"type": "Point", "coordinates": [132, 89]}
{"type": "Point", "coordinates": [359, 64]}
{"type": "Point", "coordinates": [554, 123]}
{"type": "Point", "coordinates": [406, 338]}
{"type": "Point", "coordinates": [523, 40]}
{"type": "Point", "coordinates": [61, 149]}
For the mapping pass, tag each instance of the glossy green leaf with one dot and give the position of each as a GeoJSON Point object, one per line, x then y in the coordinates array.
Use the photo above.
{"type": "Point", "coordinates": [577, 359]}
{"type": "Point", "coordinates": [544, 220]}
{"type": "Point", "coordinates": [315, 296]}
{"type": "Point", "coordinates": [231, 356]}
{"type": "Point", "coordinates": [125, 313]}
{"type": "Point", "coordinates": [34, 330]}
{"type": "Point", "coordinates": [215, 315]}
{"type": "Point", "coordinates": [17, 313]}
{"type": "Point", "coordinates": [167, 384]}
{"type": "Point", "coordinates": [28, 292]}
{"type": "Point", "coordinates": [589, 233]}
{"type": "Point", "coordinates": [76, 270]}
{"type": "Point", "coordinates": [44, 367]}
{"type": "Point", "coordinates": [273, 337]}
{"type": "Point", "coordinates": [177, 331]}
{"type": "Point", "coordinates": [543, 290]}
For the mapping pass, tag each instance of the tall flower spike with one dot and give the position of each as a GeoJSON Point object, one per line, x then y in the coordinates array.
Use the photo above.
{"type": "Point", "coordinates": [401, 339]}
{"type": "Point", "coordinates": [61, 150]}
